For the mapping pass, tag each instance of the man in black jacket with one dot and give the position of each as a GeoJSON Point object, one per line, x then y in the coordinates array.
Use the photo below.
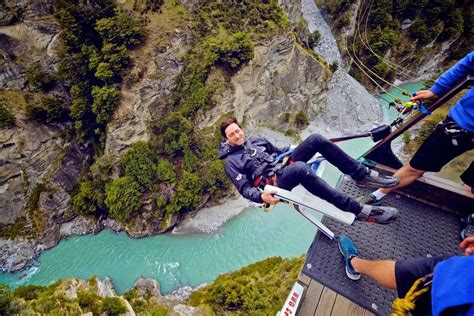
{"type": "Point", "coordinates": [249, 162]}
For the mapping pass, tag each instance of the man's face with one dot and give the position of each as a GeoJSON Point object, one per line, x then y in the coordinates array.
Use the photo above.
{"type": "Point", "coordinates": [235, 135]}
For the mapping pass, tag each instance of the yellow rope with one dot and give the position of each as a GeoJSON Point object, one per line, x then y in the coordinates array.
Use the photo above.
{"type": "Point", "coordinates": [401, 306]}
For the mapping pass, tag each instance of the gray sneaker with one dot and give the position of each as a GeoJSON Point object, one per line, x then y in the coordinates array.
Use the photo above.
{"type": "Point", "coordinates": [376, 179]}
{"type": "Point", "coordinates": [377, 214]}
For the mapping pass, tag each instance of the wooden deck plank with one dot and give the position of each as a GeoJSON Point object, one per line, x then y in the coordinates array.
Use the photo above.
{"type": "Point", "coordinates": [311, 299]}
{"type": "Point", "coordinates": [326, 302]}
{"type": "Point", "coordinates": [303, 278]}
{"type": "Point", "coordinates": [344, 306]}
{"type": "Point", "coordinates": [341, 306]}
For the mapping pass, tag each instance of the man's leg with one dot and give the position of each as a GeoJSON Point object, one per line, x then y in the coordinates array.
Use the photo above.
{"type": "Point", "coordinates": [391, 274]}
{"type": "Point", "coordinates": [407, 175]}
{"type": "Point", "coordinates": [381, 271]}
{"type": "Point", "coordinates": [317, 143]}
{"type": "Point", "coordinates": [435, 152]}
{"type": "Point", "coordinates": [300, 173]}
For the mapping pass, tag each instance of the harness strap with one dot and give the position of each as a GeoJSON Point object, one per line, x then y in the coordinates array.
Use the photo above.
{"type": "Point", "coordinates": [270, 175]}
{"type": "Point", "coordinates": [402, 306]}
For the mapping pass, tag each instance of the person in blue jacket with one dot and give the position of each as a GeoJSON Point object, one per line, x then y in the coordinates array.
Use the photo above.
{"type": "Point", "coordinates": [250, 165]}
{"type": "Point", "coordinates": [451, 137]}
{"type": "Point", "coordinates": [452, 289]}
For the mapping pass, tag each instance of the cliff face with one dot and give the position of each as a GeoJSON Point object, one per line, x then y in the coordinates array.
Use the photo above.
{"type": "Point", "coordinates": [281, 79]}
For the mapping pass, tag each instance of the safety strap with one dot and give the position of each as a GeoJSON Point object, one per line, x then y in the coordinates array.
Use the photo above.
{"type": "Point", "coordinates": [402, 306]}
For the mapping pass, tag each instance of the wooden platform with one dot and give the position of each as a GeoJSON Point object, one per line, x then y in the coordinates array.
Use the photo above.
{"type": "Point", "coordinates": [320, 301]}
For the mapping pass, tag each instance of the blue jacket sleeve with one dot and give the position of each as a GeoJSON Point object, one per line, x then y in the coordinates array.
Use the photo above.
{"type": "Point", "coordinates": [242, 184]}
{"type": "Point", "coordinates": [453, 75]}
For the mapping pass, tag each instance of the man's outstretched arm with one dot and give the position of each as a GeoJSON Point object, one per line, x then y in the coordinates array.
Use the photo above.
{"type": "Point", "coordinates": [246, 189]}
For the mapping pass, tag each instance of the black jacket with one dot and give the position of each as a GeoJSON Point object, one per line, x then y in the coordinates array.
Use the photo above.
{"type": "Point", "coordinates": [247, 162]}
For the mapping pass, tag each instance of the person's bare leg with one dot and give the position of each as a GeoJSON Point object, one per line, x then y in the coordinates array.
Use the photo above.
{"type": "Point", "coordinates": [381, 271]}
{"type": "Point", "coordinates": [407, 175]}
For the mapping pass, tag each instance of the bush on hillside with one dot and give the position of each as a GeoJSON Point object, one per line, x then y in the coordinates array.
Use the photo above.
{"type": "Point", "coordinates": [314, 38]}
{"type": "Point", "coordinates": [123, 197]}
{"type": "Point", "coordinates": [113, 306]}
{"type": "Point", "coordinates": [90, 199]}
{"type": "Point", "coordinates": [257, 289]}
{"type": "Point", "coordinates": [140, 163]}
{"type": "Point", "coordinates": [37, 78]}
{"type": "Point", "coordinates": [47, 110]}
{"type": "Point", "coordinates": [6, 118]}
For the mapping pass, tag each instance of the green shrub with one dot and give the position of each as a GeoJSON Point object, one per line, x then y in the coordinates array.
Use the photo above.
{"type": "Point", "coordinates": [166, 171]}
{"type": "Point", "coordinates": [216, 179]}
{"type": "Point", "coordinates": [28, 292]}
{"type": "Point", "coordinates": [236, 50]}
{"type": "Point", "coordinates": [140, 163]}
{"type": "Point", "coordinates": [89, 302]}
{"type": "Point", "coordinates": [47, 110]}
{"type": "Point", "coordinates": [257, 289]}
{"type": "Point", "coordinates": [406, 137]}
{"type": "Point", "coordinates": [6, 118]}
{"type": "Point", "coordinates": [123, 197]}
{"type": "Point", "coordinates": [334, 66]}
{"type": "Point", "coordinates": [6, 299]}
{"type": "Point", "coordinates": [113, 306]}
{"type": "Point", "coordinates": [419, 31]}
{"type": "Point", "coordinates": [174, 134]}
{"type": "Point", "coordinates": [121, 29]}
{"type": "Point", "coordinates": [187, 195]}
{"type": "Point", "coordinates": [314, 38]}
{"type": "Point", "coordinates": [301, 120]}
{"type": "Point", "coordinates": [106, 98]}
{"type": "Point", "coordinates": [89, 200]}
{"type": "Point", "coordinates": [37, 78]}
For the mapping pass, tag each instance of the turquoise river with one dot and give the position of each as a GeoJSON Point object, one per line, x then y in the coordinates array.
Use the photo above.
{"type": "Point", "coordinates": [177, 260]}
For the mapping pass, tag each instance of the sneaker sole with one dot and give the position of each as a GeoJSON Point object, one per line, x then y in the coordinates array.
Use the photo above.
{"type": "Point", "coordinates": [348, 273]}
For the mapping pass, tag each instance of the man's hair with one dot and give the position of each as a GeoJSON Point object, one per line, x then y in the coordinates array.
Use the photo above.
{"type": "Point", "coordinates": [226, 123]}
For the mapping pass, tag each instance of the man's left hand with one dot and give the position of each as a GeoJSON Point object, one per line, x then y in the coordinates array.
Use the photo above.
{"type": "Point", "coordinates": [468, 246]}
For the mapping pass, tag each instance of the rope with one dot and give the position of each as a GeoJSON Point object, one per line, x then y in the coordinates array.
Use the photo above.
{"type": "Point", "coordinates": [402, 306]}
{"type": "Point", "coordinates": [358, 21]}
{"type": "Point", "coordinates": [386, 61]}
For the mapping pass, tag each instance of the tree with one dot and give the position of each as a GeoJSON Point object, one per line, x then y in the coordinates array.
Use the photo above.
{"type": "Point", "coordinates": [106, 98]}
{"type": "Point", "coordinates": [124, 196]}
{"type": "Point", "coordinates": [419, 31]}
{"type": "Point", "coordinates": [187, 195]}
{"type": "Point", "coordinates": [140, 163]}
{"type": "Point", "coordinates": [6, 299]}
{"type": "Point", "coordinates": [121, 29]}
{"type": "Point", "coordinates": [113, 306]}
{"type": "Point", "coordinates": [90, 198]}
{"type": "Point", "coordinates": [175, 134]}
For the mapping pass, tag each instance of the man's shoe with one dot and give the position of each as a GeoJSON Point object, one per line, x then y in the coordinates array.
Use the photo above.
{"type": "Point", "coordinates": [377, 214]}
{"type": "Point", "coordinates": [376, 179]}
{"type": "Point", "coordinates": [348, 250]}
{"type": "Point", "coordinates": [369, 199]}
